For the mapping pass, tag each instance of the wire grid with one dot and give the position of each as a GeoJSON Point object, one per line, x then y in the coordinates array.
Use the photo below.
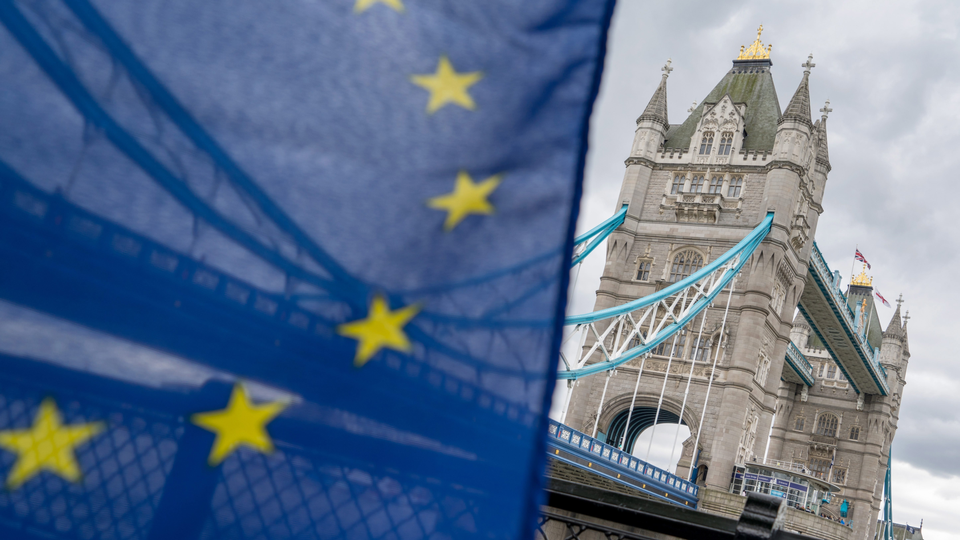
{"type": "Point", "coordinates": [556, 527]}
{"type": "Point", "coordinates": [286, 495]}
{"type": "Point", "coordinates": [124, 470]}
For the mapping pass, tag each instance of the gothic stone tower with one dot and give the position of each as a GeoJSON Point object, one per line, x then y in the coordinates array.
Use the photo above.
{"type": "Point", "coordinates": [835, 433]}
{"type": "Point", "coordinates": [693, 191]}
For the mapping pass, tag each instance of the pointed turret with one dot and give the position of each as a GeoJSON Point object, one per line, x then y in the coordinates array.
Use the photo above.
{"type": "Point", "coordinates": [799, 107]}
{"type": "Point", "coordinates": [823, 154]}
{"type": "Point", "coordinates": [657, 107]}
{"type": "Point", "coordinates": [906, 339]}
{"type": "Point", "coordinates": [895, 327]}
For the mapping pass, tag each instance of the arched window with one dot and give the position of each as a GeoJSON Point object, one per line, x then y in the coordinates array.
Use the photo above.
{"type": "Point", "coordinates": [707, 143]}
{"type": "Point", "coordinates": [696, 185]}
{"type": "Point", "coordinates": [715, 184]}
{"type": "Point", "coordinates": [685, 263]}
{"type": "Point", "coordinates": [831, 371]}
{"type": "Point", "coordinates": [643, 269]}
{"type": "Point", "coordinates": [677, 186]}
{"type": "Point", "coordinates": [855, 433]}
{"type": "Point", "coordinates": [827, 425]}
{"type": "Point", "coordinates": [726, 140]}
{"type": "Point", "coordinates": [799, 425]}
{"type": "Point", "coordinates": [700, 350]}
{"type": "Point", "coordinates": [736, 183]}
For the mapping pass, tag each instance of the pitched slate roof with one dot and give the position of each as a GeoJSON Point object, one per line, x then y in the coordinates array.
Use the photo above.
{"type": "Point", "coordinates": [749, 82]}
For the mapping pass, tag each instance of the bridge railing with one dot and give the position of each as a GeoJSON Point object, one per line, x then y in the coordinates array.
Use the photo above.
{"type": "Point", "coordinates": [624, 461]}
{"type": "Point", "coordinates": [799, 361]}
{"type": "Point", "coordinates": [872, 355]}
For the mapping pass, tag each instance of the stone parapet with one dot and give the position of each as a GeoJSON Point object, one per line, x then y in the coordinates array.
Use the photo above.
{"type": "Point", "coordinates": [721, 503]}
{"type": "Point", "coordinates": [816, 526]}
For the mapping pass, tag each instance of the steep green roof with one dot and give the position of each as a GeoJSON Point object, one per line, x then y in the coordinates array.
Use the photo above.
{"type": "Point", "coordinates": [747, 82]}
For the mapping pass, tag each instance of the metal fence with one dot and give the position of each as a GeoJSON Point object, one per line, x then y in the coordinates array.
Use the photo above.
{"type": "Point", "coordinates": [145, 475]}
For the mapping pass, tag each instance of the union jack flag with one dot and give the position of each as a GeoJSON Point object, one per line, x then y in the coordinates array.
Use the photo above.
{"type": "Point", "coordinates": [882, 299]}
{"type": "Point", "coordinates": [859, 256]}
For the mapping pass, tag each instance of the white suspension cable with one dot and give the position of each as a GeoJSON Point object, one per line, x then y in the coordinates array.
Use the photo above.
{"type": "Point", "coordinates": [603, 396]}
{"type": "Point", "coordinates": [570, 385]}
{"type": "Point", "coordinates": [633, 402]}
{"type": "Point", "coordinates": [666, 376]}
{"type": "Point", "coordinates": [566, 400]}
{"type": "Point", "coordinates": [686, 392]}
{"type": "Point", "coordinates": [720, 345]}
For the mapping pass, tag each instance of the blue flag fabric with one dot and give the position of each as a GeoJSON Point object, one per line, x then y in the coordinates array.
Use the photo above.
{"type": "Point", "coordinates": [284, 269]}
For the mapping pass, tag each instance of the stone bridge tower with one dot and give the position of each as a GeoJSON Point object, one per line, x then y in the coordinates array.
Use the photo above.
{"type": "Point", "coordinates": [833, 432]}
{"type": "Point", "coordinates": [693, 190]}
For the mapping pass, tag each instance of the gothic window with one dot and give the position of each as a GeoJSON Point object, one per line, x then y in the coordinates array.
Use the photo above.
{"type": "Point", "coordinates": [799, 424]}
{"type": "Point", "coordinates": [685, 263]}
{"type": "Point", "coordinates": [715, 184]}
{"type": "Point", "coordinates": [841, 377]}
{"type": "Point", "coordinates": [736, 183]}
{"type": "Point", "coordinates": [700, 351]}
{"type": "Point", "coordinates": [820, 373]}
{"type": "Point", "coordinates": [726, 139]}
{"type": "Point", "coordinates": [831, 371]}
{"type": "Point", "coordinates": [855, 433]}
{"type": "Point", "coordinates": [677, 186]}
{"type": "Point", "coordinates": [696, 185]}
{"type": "Point", "coordinates": [707, 143]}
{"type": "Point", "coordinates": [840, 476]}
{"type": "Point", "coordinates": [643, 269]}
{"type": "Point", "coordinates": [661, 348]}
{"type": "Point", "coordinates": [678, 346]}
{"type": "Point", "coordinates": [827, 425]}
{"type": "Point", "coordinates": [763, 366]}
{"type": "Point", "coordinates": [779, 293]}
{"type": "Point", "coordinates": [820, 467]}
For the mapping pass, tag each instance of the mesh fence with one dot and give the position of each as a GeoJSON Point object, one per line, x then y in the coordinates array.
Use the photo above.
{"type": "Point", "coordinates": [290, 493]}
{"type": "Point", "coordinates": [124, 470]}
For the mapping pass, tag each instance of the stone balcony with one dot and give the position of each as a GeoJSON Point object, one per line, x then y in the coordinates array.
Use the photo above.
{"type": "Point", "coordinates": [700, 207]}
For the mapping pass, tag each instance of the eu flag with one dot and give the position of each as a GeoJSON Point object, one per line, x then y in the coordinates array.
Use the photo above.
{"type": "Point", "coordinates": [288, 269]}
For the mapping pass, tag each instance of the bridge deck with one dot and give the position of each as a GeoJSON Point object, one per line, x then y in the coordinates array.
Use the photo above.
{"type": "Point", "coordinates": [840, 330]}
{"type": "Point", "coordinates": [797, 368]}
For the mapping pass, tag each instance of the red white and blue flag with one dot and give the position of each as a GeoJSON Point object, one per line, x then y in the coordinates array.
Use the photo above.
{"type": "Point", "coordinates": [859, 256]}
{"type": "Point", "coordinates": [882, 299]}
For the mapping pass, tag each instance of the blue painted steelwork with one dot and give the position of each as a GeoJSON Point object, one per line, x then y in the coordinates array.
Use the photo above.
{"type": "Point", "coordinates": [888, 499]}
{"type": "Point", "coordinates": [599, 234]}
{"type": "Point", "coordinates": [799, 364]}
{"type": "Point", "coordinates": [652, 480]}
{"type": "Point", "coordinates": [829, 285]}
{"type": "Point", "coordinates": [744, 249]}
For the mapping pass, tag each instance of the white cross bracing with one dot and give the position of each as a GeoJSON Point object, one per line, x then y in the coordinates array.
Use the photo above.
{"type": "Point", "coordinates": [640, 330]}
{"type": "Point", "coordinates": [652, 319]}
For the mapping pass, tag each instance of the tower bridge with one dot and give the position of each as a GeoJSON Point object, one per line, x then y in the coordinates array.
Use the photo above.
{"type": "Point", "coordinates": [710, 254]}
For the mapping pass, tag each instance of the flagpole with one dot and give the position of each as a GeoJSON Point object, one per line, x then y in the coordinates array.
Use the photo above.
{"type": "Point", "coordinates": [852, 264]}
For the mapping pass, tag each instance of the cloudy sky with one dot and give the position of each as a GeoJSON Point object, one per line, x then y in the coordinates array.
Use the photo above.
{"type": "Point", "coordinates": [891, 71]}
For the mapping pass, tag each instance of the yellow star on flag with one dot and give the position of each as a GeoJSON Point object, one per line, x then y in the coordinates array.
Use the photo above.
{"type": "Point", "coordinates": [465, 199]}
{"type": "Point", "coordinates": [382, 328]}
{"type": "Point", "coordinates": [363, 5]}
{"type": "Point", "coordinates": [241, 424]}
{"type": "Point", "coordinates": [47, 446]}
{"type": "Point", "coordinates": [448, 86]}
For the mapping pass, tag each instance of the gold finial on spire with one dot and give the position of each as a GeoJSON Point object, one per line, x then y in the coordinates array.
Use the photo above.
{"type": "Point", "coordinates": [756, 51]}
{"type": "Point", "coordinates": [862, 280]}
